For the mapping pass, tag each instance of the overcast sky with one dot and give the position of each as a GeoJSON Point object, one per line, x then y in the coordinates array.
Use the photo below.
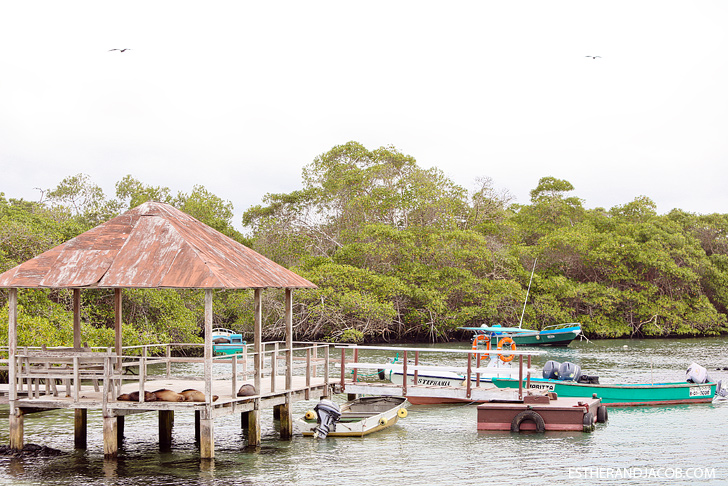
{"type": "Point", "coordinates": [240, 96]}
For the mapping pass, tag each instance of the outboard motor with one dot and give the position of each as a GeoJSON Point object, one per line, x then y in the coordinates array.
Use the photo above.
{"type": "Point", "coordinates": [569, 371]}
{"type": "Point", "coordinates": [551, 370]}
{"type": "Point", "coordinates": [698, 374]}
{"type": "Point", "coordinates": [328, 413]}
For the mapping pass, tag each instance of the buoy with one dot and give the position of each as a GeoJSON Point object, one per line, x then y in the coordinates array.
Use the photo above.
{"type": "Point", "coordinates": [402, 413]}
{"type": "Point", "coordinates": [310, 415]}
{"type": "Point", "coordinates": [383, 422]}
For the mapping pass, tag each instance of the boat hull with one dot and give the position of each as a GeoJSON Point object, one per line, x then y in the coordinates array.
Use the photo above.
{"type": "Point", "coordinates": [362, 417]}
{"type": "Point", "coordinates": [623, 395]}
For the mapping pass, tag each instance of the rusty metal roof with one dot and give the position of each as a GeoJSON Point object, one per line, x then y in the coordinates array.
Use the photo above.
{"type": "Point", "coordinates": [152, 246]}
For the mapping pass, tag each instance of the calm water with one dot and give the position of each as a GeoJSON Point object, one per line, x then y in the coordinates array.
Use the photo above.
{"type": "Point", "coordinates": [433, 445]}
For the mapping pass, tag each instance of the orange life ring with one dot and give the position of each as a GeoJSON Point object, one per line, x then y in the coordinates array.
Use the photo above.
{"type": "Point", "coordinates": [506, 340]}
{"type": "Point", "coordinates": [481, 337]}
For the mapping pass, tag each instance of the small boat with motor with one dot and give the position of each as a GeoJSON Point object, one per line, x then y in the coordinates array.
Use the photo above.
{"type": "Point", "coordinates": [554, 335]}
{"type": "Point", "coordinates": [566, 380]}
{"type": "Point", "coordinates": [226, 342]}
{"type": "Point", "coordinates": [355, 418]}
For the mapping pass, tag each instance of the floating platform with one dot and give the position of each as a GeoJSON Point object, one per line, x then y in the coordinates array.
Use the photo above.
{"type": "Point", "coordinates": [541, 413]}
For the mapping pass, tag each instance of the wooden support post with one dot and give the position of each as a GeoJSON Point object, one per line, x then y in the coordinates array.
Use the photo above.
{"type": "Point", "coordinates": [117, 328]}
{"type": "Point", "coordinates": [166, 422]}
{"type": "Point", "coordinates": [77, 318]}
{"type": "Point", "coordinates": [254, 427]}
{"type": "Point", "coordinates": [80, 424]}
{"type": "Point", "coordinates": [258, 361]}
{"type": "Point", "coordinates": [289, 339]}
{"type": "Point", "coordinates": [12, 352]}
{"type": "Point", "coordinates": [207, 438]}
{"type": "Point", "coordinates": [244, 419]}
{"type": "Point", "coordinates": [111, 440]}
{"type": "Point", "coordinates": [119, 430]}
{"type": "Point", "coordinates": [15, 422]}
{"type": "Point", "coordinates": [208, 347]}
{"type": "Point", "coordinates": [197, 426]}
{"type": "Point", "coordinates": [277, 412]}
{"type": "Point", "coordinates": [286, 418]}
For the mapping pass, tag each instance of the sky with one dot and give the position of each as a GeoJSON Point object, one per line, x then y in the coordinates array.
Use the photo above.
{"type": "Point", "coordinates": [240, 96]}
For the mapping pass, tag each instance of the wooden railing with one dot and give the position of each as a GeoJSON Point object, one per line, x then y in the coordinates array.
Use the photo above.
{"type": "Point", "coordinates": [74, 368]}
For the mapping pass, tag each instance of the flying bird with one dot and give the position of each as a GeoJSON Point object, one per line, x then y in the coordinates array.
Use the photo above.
{"type": "Point", "coordinates": [593, 57]}
{"type": "Point", "coordinates": [120, 50]}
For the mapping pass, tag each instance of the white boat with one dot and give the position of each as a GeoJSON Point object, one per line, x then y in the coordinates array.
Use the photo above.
{"type": "Point", "coordinates": [355, 418]}
{"type": "Point", "coordinates": [496, 368]}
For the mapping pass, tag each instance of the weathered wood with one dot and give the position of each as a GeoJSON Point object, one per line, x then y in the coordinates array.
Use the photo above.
{"type": "Point", "coordinates": [207, 438]}
{"type": "Point", "coordinates": [166, 423]}
{"type": "Point", "coordinates": [197, 426]}
{"type": "Point", "coordinates": [13, 347]}
{"type": "Point", "coordinates": [208, 345]}
{"type": "Point", "coordinates": [289, 338]}
{"type": "Point", "coordinates": [76, 318]}
{"type": "Point", "coordinates": [111, 439]}
{"type": "Point", "coordinates": [80, 428]}
{"type": "Point", "coordinates": [258, 337]}
{"type": "Point", "coordinates": [117, 327]}
{"type": "Point", "coordinates": [254, 427]}
{"type": "Point", "coordinates": [286, 419]}
{"type": "Point", "coordinates": [15, 422]}
{"type": "Point", "coordinates": [119, 430]}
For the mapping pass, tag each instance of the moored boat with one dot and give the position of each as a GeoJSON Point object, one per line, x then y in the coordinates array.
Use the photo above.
{"type": "Point", "coordinates": [355, 418]}
{"type": "Point", "coordinates": [554, 335]}
{"type": "Point", "coordinates": [226, 341]}
{"type": "Point", "coordinates": [620, 394]}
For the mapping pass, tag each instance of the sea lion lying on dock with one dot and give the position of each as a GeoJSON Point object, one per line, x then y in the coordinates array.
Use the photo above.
{"type": "Point", "coordinates": [192, 395]}
{"type": "Point", "coordinates": [134, 397]}
{"type": "Point", "coordinates": [246, 391]}
{"type": "Point", "coordinates": [165, 395]}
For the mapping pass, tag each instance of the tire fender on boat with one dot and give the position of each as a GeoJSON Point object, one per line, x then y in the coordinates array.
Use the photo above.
{"type": "Point", "coordinates": [528, 415]}
{"type": "Point", "coordinates": [588, 422]}
{"type": "Point", "coordinates": [402, 413]}
{"type": "Point", "coordinates": [602, 415]}
{"type": "Point", "coordinates": [383, 421]}
{"type": "Point", "coordinates": [310, 415]}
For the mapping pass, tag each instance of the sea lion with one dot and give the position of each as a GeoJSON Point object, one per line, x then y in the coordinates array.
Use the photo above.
{"type": "Point", "coordinates": [246, 391]}
{"type": "Point", "coordinates": [134, 397]}
{"type": "Point", "coordinates": [221, 340]}
{"type": "Point", "coordinates": [165, 395]}
{"type": "Point", "coordinates": [192, 395]}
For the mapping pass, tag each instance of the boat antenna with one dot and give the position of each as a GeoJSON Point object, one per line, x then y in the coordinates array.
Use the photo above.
{"type": "Point", "coordinates": [527, 292]}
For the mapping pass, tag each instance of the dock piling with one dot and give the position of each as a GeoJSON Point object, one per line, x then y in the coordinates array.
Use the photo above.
{"type": "Point", "coordinates": [80, 424]}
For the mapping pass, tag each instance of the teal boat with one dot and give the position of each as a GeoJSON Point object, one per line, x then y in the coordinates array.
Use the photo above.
{"type": "Point", "coordinates": [226, 342]}
{"type": "Point", "coordinates": [555, 335]}
{"type": "Point", "coordinates": [566, 380]}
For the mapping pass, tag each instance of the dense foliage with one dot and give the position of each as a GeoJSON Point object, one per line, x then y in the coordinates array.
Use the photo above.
{"type": "Point", "coordinates": [400, 253]}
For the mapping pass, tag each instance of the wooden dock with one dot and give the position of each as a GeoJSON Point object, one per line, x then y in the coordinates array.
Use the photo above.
{"type": "Point", "coordinates": [94, 379]}
{"type": "Point", "coordinates": [469, 388]}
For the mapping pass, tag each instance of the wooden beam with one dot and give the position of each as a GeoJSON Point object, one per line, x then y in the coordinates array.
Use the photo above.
{"type": "Point", "coordinates": [13, 348]}
{"type": "Point", "coordinates": [111, 440]}
{"type": "Point", "coordinates": [77, 318]}
{"type": "Point", "coordinates": [258, 336]}
{"type": "Point", "coordinates": [289, 339]}
{"type": "Point", "coordinates": [286, 418]}
{"type": "Point", "coordinates": [166, 423]}
{"type": "Point", "coordinates": [15, 423]}
{"type": "Point", "coordinates": [80, 427]}
{"type": "Point", "coordinates": [254, 427]}
{"type": "Point", "coordinates": [207, 438]}
{"type": "Point", "coordinates": [208, 348]}
{"type": "Point", "coordinates": [117, 326]}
